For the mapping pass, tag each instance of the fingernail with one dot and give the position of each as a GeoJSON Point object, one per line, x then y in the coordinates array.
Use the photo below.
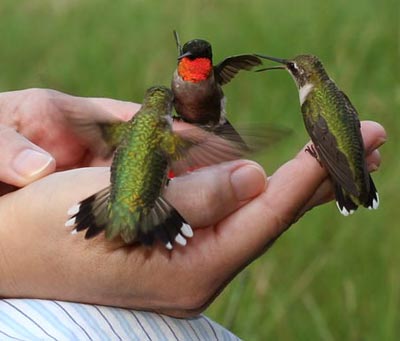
{"type": "Point", "coordinates": [29, 163]}
{"type": "Point", "coordinates": [248, 181]}
{"type": "Point", "coordinates": [379, 142]}
{"type": "Point", "coordinates": [372, 167]}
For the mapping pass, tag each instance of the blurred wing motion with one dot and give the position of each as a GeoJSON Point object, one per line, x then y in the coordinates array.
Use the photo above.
{"type": "Point", "coordinates": [98, 129]}
{"type": "Point", "coordinates": [229, 67]}
{"type": "Point", "coordinates": [208, 145]}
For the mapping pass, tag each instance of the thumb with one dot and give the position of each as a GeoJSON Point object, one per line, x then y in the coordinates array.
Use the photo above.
{"type": "Point", "coordinates": [208, 195]}
{"type": "Point", "coordinates": [22, 161]}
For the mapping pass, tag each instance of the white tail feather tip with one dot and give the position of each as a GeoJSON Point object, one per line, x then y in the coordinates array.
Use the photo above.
{"type": "Point", "coordinates": [342, 210]}
{"type": "Point", "coordinates": [70, 222]}
{"type": "Point", "coordinates": [187, 230]}
{"type": "Point", "coordinates": [180, 240]}
{"type": "Point", "coordinates": [375, 203]}
{"type": "Point", "coordinates": [73, 209]}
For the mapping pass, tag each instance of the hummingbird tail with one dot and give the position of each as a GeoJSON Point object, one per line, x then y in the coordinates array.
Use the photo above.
{"type": "Point", "coordinates": [344, 202]}
{"type": "Point", "coordinates": [90, 214]}
{"type": "Point", "coordinates": [163, 222]}
{"type": "Point", "coordinates": [372, 202]}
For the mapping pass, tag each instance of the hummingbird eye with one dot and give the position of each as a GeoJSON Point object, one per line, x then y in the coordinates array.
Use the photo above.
{"type": "Point", "coordinates": [292, 66]}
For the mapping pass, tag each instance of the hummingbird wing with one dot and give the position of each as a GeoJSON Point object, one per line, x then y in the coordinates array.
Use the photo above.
{"type": "Point", "coordinates": [203, 146]}
{"type": "Point", "coordinates": [348, 106]}
{"type": "Point", "coordinates": [331, 156]}
{"type": "Point", "coordinates": [101, 137]}
{"type": "Point", "coordinates": [98, 128]}
{"type": "Point", "coordinates": [229, 67]}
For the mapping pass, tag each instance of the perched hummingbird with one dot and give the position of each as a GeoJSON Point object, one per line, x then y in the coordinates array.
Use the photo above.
{"type": "Point", "coordinates": [333, 125]}
{"type": "Point", "coordinates": [197, 83]}
{"type": "Point", "coordinates": [133, 206]}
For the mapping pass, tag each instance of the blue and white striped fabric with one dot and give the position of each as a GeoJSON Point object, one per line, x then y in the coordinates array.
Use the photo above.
{"type": "Point", "coordinates": [31, 319]}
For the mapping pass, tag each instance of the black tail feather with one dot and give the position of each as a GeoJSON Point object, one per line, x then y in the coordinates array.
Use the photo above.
{"type": "Point", "coordinates": [344, 202]}
{"type": "Point", "coordinates": [163, 222]}
{"type": "Point", "coordinates": [90, 209]}
{"type": "Point", "coordinates": [372, 201]}
{"type": "Point", "coordinates": [166, 231]}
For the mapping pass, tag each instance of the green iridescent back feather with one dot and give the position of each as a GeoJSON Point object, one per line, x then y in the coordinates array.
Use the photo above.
{"type": "Point", "coordinates": [138, 172]}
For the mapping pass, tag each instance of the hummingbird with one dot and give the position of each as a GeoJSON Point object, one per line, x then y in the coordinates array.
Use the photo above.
{"type": "Point", "coordinates": [197, 83]}
{"type": "Point", "coordinates": [146, 147]}
{"type": "Point", "coordinates": [333, 125]}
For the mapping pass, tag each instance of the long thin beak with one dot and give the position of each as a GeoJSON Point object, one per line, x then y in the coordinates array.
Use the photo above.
{"type": "Point", "coordinates": [278, 60]}
{"type": "Point", "coordinates": [272, 68]}
{"type": "Point", "coordinates": [186, 54]}
{"type": "Point", "coordinates": [177, 41]}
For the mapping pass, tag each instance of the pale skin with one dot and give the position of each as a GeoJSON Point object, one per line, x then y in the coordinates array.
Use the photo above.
{"type": "Point", "coordinates": [236, 211]}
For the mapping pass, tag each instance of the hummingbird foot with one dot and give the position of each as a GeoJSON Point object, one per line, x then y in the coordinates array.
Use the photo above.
{"type": "Point", "coordinates": [312, 151]}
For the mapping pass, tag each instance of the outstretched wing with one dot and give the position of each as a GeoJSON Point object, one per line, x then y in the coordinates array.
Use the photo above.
{"type": "Point", "coordinates": [99, 129]}
{"type": "Point", "coordinates": [230, 66]}
{"type": "Point", "coordinates": [203, 146]}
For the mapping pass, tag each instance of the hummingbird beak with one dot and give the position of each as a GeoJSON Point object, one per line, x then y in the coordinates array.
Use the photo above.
{"type": "Point", "coordinates": [278, 60]}
{"type": "Point", "coordinates": [186, 54]}
{"type": "Point", "coordinates": [271, 68]}
{"type": "Point", "coordinates": [177, 41]}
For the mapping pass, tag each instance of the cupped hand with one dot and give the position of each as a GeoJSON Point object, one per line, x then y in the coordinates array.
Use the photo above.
{"type": "Point", "coordinates": [243, 210]}
{"type": "Point", "coordinates": [36, 137]}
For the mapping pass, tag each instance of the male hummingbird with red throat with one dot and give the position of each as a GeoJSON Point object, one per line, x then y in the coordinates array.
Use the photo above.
{"type": "Point", "coordinates": [197, 82]}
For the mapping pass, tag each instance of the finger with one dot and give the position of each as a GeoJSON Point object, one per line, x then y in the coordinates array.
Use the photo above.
{"type": "Point", "coordinates": [245, 233]}
{"type": "Point", "coordinates": [22, 161]}
{"type": "Point", "coordinates": [226, 186]}
{"type": "Point", "coordinates": [206, 196]}
{"type": "Point", "coordinates": [374, 136]}
{"type": "Point", "coordinates": [324, 193]}
{"type": "Point", "coordinates": [203, 197]}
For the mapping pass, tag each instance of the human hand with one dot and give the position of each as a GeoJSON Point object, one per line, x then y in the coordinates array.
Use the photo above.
{"type": "Point", "coordinates": [243, 211]}
{"type": "Point", "coordinates": [36, 138]}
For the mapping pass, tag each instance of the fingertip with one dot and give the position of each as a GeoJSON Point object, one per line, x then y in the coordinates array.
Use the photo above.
{"type": "Point", "coordinates": [209, 194]}
{"type": "Point", "coordinates": [248, 181]}
{"type": "Point", "coordinates": [31, 164]}
{"type": "Point", "coordinates": [22, 161]}
{"type": "Point", "coordinates": [374, 135]}
{"type": "Point", "coordinates": [373, 161]}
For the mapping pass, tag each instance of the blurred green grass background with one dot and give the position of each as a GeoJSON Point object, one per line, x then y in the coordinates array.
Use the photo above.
{"type": "Point", "coordinates": [328, 277]}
